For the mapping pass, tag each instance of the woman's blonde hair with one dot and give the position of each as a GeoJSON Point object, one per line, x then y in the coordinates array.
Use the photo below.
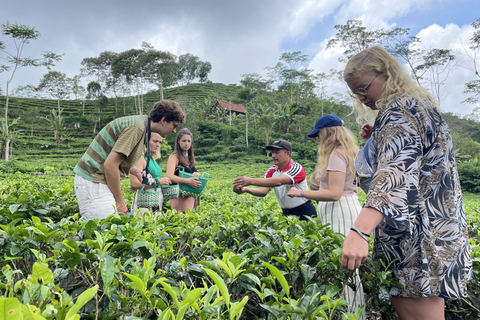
{"type": "Point", "coordinates": [336, 139]}
{"type": "Point", "coordinates": [376, 61]}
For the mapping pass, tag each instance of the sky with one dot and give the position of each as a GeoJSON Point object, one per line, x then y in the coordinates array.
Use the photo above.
{"type": "Point", "coordinates": [237, 37]}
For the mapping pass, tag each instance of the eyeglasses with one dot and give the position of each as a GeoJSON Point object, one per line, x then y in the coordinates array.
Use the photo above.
{"type": "Point", "coordinates": [363, 91]}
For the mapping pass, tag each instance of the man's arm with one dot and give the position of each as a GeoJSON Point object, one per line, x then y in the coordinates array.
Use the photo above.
{"type": "Point", "coordinates": [264, 182]}
{"type": "Point", "coordinates": [112, 175]}
{"type": "Point", "coordinates": [258, 192]}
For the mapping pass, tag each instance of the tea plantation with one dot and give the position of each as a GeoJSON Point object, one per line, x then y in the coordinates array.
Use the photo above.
{"type": "Point", "coordinates": [236, 257]}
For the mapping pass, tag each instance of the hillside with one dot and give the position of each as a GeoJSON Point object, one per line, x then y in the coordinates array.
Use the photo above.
{"type": "Point", "coordinates": [35, 140]}
{"type": "Point", "coordinates": [216, 140]}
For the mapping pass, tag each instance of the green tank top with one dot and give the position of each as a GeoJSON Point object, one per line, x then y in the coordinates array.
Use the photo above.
{"type": "Point", "coordinates": [154, 169]}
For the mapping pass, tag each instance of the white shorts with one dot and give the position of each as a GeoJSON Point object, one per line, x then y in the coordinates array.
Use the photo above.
{"type": "Point", "coordinates": [94, 199]}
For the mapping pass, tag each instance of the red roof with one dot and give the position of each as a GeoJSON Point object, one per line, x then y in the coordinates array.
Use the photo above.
{"type": "Point", "coordinates": [227, 105]}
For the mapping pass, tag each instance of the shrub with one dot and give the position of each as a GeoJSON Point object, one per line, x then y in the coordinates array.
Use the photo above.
{"type": "Point", "coordinates": [469, 173]}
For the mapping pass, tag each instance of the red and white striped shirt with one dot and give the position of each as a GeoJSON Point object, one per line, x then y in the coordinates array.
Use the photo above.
{"type": "Point", "coordinates": [296, 173]}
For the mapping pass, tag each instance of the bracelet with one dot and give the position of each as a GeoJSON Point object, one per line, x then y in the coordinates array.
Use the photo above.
{"type": "Point", "coordinates": [361, 234]}
{"type": "Point", "coordinates": [301, 194]}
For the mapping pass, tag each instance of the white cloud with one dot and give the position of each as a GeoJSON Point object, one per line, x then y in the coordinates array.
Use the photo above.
{"type": "Point", "coordinates": [235, 37]}
{"type": "Point", "coordinates": [454, 38]}
{"type": "Point", "coordinates": [309, 13]}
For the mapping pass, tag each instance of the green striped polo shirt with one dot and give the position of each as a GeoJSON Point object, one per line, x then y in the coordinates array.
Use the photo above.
{"type": "Point", "coordinates": [125, 135]}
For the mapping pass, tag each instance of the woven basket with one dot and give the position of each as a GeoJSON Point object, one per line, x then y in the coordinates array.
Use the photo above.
{"type": "Point", "coordinates": [170, 192]}
{"type": "Point", "coordinates": [148, 198]}
{"type": "Point", "coordinates": [186, 190]}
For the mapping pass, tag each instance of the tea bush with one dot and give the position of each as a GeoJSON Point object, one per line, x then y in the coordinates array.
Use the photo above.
{"type": "Point", "coordinates": [236, 257]}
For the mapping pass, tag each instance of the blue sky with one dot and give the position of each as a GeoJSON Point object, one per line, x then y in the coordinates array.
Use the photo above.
{"type": "Point", "coordinates": [458, 12]}
{"type": "Point", "coordinates": [236, 37]}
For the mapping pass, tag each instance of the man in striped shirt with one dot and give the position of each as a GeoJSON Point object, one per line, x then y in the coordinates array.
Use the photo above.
{"type": "Point", "coordinates": [114, 151]}
{"type": "Point", "coordinates": [282, 176]}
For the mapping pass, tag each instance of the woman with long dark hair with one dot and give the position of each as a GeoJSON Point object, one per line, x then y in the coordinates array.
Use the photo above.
{"type": "Point", "coordinates": [183, 156]}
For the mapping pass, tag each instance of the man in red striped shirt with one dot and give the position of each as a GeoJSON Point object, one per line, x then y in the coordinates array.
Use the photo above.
{"type": "Point", "coordinates": [282, 176]}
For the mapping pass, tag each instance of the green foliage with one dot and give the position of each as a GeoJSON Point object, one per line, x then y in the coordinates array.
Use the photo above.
{"type": "Point", "coordinates": [236, 256]}
{"type": "Point", "coordinates": [469, 173]}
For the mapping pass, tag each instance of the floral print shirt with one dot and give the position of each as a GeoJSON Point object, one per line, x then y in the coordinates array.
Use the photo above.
{"type": "Point", "coordinates": [416, 186]}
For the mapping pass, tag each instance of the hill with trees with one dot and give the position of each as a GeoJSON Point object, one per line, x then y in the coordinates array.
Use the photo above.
{"type": "Point", "coordinates": [41, 134]}
{"type": "Point", "coordinates": [58, 117]}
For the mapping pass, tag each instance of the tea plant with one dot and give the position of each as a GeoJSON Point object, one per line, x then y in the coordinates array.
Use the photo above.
{"type": "Point", "coordinates": [236, 257]}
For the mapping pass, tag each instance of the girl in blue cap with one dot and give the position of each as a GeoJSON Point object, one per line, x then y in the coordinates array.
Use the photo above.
{"type": "Point", "coordinates": [337, 194]}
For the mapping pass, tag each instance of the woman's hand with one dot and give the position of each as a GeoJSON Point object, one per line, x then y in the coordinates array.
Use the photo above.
{"type": "Point", "coordinates": [165, 180]}
{"type": "Point", "coordinates": [366, 132]}
{"type": "Point", "coordinates": [193, 182]}
{"type": "Point", "coordinates": [354, 251]}
{"type": "Point", "coordinates": [294, 192]}
{"type": "Point", "coordinates": [196, 174]}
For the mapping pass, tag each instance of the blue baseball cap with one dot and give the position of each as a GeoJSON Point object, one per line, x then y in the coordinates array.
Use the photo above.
{"type": "Point", "coordinates": [328, 120]}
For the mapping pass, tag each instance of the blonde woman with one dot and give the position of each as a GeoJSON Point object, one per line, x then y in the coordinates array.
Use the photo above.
{"type": "Point", "coordinates": [337, 192]}
{"type": "Point", "coordinates": [414, 201]}
{"type": "Point", "coordinates": [183, 156]}
{"type": "Point", "coordinates": [153, 168]}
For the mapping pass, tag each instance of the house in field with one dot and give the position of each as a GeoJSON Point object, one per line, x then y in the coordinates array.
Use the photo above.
{"type": "Point", "coordinates": [228, 106]}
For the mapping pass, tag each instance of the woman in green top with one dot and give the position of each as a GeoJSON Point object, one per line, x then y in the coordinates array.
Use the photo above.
{"type": "Point", "coordinates": [153, 168]}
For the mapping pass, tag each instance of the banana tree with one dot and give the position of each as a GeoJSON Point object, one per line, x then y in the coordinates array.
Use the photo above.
{"type": "Point", "coordinates": [8, 131]}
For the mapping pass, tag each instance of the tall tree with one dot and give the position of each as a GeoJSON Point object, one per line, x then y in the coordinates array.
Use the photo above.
{"type": "Point", "coordinates": [99, 67]}
{"type": "Point", "coordinates": [57, 85]}
{"type": "Point", "coordinates": [203, 70]}
{"type": "Point", "coordinates": [353, 37]}
{"type": "Point", "coordinates": [94, 90]}
{"type": "Point", "coordinates": [20, 35]}
{"type": "Point", "coordinates": [189, 67]}
{"type": "Point", "coordinates": [435, 63]}
{"type": "Point", "coordinates": [76, 87]}
{"type": "Point", "coordinates": [160, 67]}
{"type": "Point", "coordinates": [290, 73]}
{"type": "Point", "coordinates": [26, 91]}
{"type": "Point", "coordinates": [472, 87]}
{"type": "Point", "coordinates": [56, 121]}
{"type": "Point", "coordinates": [439, 63]}
{"type": "Point", "coordinates": [133, 65]}
{"type": "Point", "coordinates": [399, 43]}
{"type": "Point", "coordinates": [246, 95]}
{"type": "Point", "coordinates": [255, 82]}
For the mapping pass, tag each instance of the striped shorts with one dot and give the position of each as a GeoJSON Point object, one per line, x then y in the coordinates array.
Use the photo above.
{"type": "Point", "coordinates": [341, 215]}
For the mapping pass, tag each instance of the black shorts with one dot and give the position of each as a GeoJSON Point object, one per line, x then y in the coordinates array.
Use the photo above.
{"type": "Point", "coordinates": [302, 211]}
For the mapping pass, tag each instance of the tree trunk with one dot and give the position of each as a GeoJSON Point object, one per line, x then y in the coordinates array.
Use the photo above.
{"type": "Point", "coordinates": [246, 127]}
{"type": "Point", "coordinates": [57, 137]}
{"type": "Point", "coordinates": [160, 88]}
{"type": "Point", "coordinates": [6, 134]}
{"type": "Point", "coordinates": [6, 148]}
